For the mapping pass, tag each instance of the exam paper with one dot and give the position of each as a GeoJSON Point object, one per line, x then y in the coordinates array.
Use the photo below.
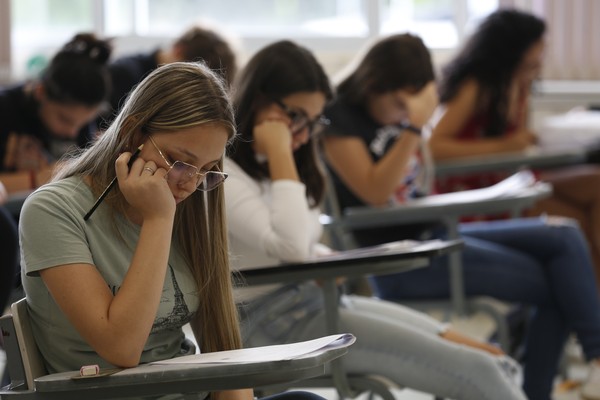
{"type": "Point", "coordinates": [515, 184]}
{"type": "Point", "coordinates": [399, 246]}
{"type": "Point", "coordinates": [267, 353]}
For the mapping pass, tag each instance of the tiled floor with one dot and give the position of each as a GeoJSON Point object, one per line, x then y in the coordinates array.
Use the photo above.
{"type": "Point", "coordinates": [478, 326]}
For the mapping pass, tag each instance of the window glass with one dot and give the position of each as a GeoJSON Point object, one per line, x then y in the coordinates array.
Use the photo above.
{"type": "Point", "coordinates": [282, 18]}
{"type": "Point", "coordinates": [119, 17]}
{"type": "Point", "coordinates": [38, 27]}
{"type": "Point", "coordinates": [432, 20]}
{"type": "Point", "coordinates": [479, 9]}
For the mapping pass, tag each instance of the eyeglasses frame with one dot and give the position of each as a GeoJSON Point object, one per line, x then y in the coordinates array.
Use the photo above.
{"type": "Point", "coordinates": [202, 175]}
{"type": "Point", "coordinates": [311, 124]}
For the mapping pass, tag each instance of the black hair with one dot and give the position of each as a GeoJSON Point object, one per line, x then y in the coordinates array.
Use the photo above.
{"type": "Point", "coordinates": [396, 62]}
{"type": "Point", "coordinates": [78, 73]}
{"type": "Point", "coordinates": [491, 56]}
{"type": "Point", "coordinates": [278, 70]}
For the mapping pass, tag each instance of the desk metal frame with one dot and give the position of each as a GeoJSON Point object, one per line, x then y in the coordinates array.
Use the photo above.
{"type": "Point", "coordinates": [510, 162]}
{"type": "Point", "coordinates": [449, 215]}
{"type": "Point", "coordinates": [328, 270]}
{"type": "Point", "coordinates": [149, 380]}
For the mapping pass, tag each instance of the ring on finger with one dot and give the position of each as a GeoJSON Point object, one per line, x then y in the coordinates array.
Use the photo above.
{"type": "Point", "coordinates": [149, 169]}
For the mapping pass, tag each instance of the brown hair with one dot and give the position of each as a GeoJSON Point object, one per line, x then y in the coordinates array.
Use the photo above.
{"type": "Point", "coordinates": [201, 44]}
{"type": "Point", "coordinates": [396, 62]}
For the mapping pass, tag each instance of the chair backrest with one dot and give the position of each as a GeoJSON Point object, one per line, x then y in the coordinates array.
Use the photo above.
{"type": "Point", "coordinates": [339, 237]}
{"type": "Point", "coordinates": [10, 345]}
{"type": "Point", "coordinates": [24, 361]}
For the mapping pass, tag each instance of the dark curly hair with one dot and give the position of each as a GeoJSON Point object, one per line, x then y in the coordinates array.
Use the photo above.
{"type": "Point", "coordinates": [491, 56]}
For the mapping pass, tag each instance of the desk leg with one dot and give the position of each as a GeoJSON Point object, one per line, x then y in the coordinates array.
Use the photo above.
{"type": "Point", "coordinates": [457, 287]}
{"type": "Point", "coordinates": [338, 373]}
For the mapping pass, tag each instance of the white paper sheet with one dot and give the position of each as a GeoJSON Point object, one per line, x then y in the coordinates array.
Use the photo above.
{"type": "Point", "coordinates": [400, 246]}
{"type": "Point", "coordinates": [513, 185]}
{"type": "Point", "coordinates": [266, 353]}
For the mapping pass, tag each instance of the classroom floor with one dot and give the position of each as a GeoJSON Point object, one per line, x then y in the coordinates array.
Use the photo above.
{"type": "Point", "coordinates": [478, 326]}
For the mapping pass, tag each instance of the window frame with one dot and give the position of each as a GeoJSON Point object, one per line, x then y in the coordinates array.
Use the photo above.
{"type": "Point", "coordinates": [338, 49]}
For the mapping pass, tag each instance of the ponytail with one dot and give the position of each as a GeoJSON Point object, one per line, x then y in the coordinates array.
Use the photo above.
{"type": "Point", "coordinates": [78, 73]}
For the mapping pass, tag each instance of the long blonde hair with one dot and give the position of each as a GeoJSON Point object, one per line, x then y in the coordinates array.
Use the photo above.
{"type": "Point", "coordinates": [174, 97]}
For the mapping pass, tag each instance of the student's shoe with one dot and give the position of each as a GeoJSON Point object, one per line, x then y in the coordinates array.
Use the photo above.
{"type": "Point", "coordinates": [590, 390]}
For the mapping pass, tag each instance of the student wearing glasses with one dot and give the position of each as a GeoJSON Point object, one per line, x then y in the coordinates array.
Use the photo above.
{"type": "Point", "coordinates": [116, 289]}
{"type": "Point", "coordinates": [377, 157]}
{"type": "Point", "coordinates": [272, 197]}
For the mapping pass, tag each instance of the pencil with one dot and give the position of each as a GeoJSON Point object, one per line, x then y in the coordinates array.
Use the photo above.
{"type": "Point", "coordinates": [111, 185]}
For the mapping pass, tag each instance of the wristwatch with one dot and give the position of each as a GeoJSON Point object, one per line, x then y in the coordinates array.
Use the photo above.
{"type": "Point", "coordinates": [411, 128]}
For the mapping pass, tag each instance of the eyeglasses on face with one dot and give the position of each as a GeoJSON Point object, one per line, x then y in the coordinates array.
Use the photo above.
{"type": "Point", "coordinates": [300, 121]}
{"type": "Point", "coordinates": [180, 173]}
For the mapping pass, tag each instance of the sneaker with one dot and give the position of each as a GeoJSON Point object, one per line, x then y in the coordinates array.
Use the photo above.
{"type": "Point", "coordinates": [590, 390]}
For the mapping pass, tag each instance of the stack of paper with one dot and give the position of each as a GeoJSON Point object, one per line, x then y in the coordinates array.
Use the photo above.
{"type": "Point", "coordinates": [267, 353]}
{"type": "Point", "coordinates": [511, 186]}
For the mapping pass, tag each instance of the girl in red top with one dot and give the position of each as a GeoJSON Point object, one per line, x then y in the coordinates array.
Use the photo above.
{"type": "Point", "coordinates": [484, 95]}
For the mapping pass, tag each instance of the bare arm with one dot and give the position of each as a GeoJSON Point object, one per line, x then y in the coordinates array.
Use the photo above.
{"type": "Point", "coordinates": [454, 116]}
{"type": "Point", "coordinates": [22, 181]}
{"type": "Point", "coordinates": [374, 182]}
{"type": "Point", "coordinates": [25, 154]}
{"type": "Point", "coordinates": [273, 139]}
{"type": "Point", "coordinates": [117, 326]}
{"type": "Point", "coordinates": [3, 194]}
{"type": "Point", "coordinates": [241, 394]}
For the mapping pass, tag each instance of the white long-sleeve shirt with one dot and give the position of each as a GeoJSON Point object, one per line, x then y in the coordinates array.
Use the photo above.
{"type": "Point", "coordinates": [269, 222]}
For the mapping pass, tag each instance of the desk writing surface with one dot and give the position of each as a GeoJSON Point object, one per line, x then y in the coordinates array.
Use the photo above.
{"type": "Point", "coordinates": [533, 158]}
{"type": "Point", "coordinates": [150, 379]}
{"type": "Point", "coordinates": [428, 209]}
{"type": "Point", "coordinates": [382, 259]}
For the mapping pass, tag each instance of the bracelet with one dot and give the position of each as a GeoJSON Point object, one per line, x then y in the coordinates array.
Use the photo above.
{"type": "Point", "coordinates": [411, 128]}
{"type": "Point", "coordinates": [32, 183]}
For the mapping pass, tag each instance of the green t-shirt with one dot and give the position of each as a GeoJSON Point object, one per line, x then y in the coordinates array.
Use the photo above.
{"type": "Point", "coordinates": [52, 232]}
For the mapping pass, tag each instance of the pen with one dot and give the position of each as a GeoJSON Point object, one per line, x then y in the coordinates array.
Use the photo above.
{"type": "Point", "coordinates": [111, 185]}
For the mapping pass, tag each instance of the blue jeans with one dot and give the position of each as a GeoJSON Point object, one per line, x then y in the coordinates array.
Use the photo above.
{"type": "Point", "coordinates": [393, 342]}
{"type": "Point", "coordinates": [528, 261]}
{"type": "Point", "coordinates": [297, 395]}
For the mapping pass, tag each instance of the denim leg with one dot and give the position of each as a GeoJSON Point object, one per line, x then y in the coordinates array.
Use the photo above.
{"type": "Point", "coordinates": [489, 269]}
{"type": "Point", "coordinates": [393, 342]}
{"type": "Point", "coordinates": [561, 250]}
{"type": "Point", "coordinates": [526, 261]}
{"type": "Point", "coordinates": [389, 344]}
{"type": "Point", "coordinates": [546, 338]}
